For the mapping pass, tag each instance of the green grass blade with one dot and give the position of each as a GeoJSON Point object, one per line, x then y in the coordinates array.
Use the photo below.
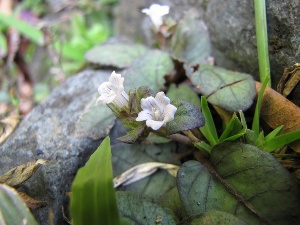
{"type": "Point", "coordinates": [281, 140]}
{"type": "Point", "coordinates": [274, 133]}
{"type": "Point", "coordinates": [255, 124]}
{"type": "Point", "coordinates": [93, 198]}
{"type": "Point", "coordinates": [203, 146]}
{"type": "Point", "coordinates": [29, 31]}
{"type": "Point", "coordinates": [262, 40]}
{"type": "Point", "coordinates": [209, 129]}
{"type": "Point", "coordinates": [233, 127]}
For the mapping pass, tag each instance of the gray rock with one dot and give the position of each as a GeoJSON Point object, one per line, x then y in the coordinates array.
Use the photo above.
{"type": "Point", "coordinates": [231, 24]}
{"type": "Point", "coordinates": [48, 132]}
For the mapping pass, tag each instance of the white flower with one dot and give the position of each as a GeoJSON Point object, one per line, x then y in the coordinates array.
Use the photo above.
{"type": "Point", "coordinates": [156, 12]}
{"type": "Point", "coordinates": [113, 91]}
{"type": "Point", "coordinates": [156, 111]}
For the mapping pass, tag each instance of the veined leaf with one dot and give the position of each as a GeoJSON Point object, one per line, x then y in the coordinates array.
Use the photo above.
{"type": "Point", "coordinates": [93, 197]}
{"type": "Point", "coordinates": [227, 89]}
{"type": "Point", "coordinates": [244, 181]}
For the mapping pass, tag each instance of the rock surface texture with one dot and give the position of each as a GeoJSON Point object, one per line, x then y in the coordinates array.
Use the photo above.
{"type": "Point", "coordinates": [48, 132]}
{"type": "Point", "coordinates": [231, 24]}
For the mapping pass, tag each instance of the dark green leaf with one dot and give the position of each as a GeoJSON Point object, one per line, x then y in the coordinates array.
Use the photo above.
{"type": "Point", "coordinates": [29, 31]}
{"type": "Point", "coordinates": [132, 135]}
{"type": "Point", "coordinates": [171, 200]}
{"type": "Point", "coordinates": [187, 117]}
{"type": "Point", "coordinates": [149, 70]}
{"type": "Point", "coordinates": [190, 43]}
{"type": "Point", "coordinates": [140, 209]}
{"type": "Point", "coordinates": [13, 210]}
{"type": "Point", "coordinates": [120, 55]}
{"type": "Point", "coordinates": [126, 156]}
{"type": "Point", "coordinates": [251, 184]}
{"type": "Point", "coordinates": [214, 218]}
{"type": "Point", "coordinates": [230, 90]}
{"type": "Point", "coordinates": [93, 196]}
{"type": "Point", "coordinates": [96, 122]}
{"type": "Point", "coordinates": [184, 92]}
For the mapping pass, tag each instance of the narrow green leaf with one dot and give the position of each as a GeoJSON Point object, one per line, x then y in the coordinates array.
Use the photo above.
{"type": "Point", "coordinates": [3, 45]}
{"type": "Point", "coordinates": [209, 129]}
{"type": "Point", "coordinates": [233, 128]}
{"type": "Point", "coordinates": [203, 146]}
{"type": "Point", "coordinates": [29, 31]}
{"type": "Point", "coordinates": [255, 124]}
{"type": "Point", "coordinates": [93, 197]}
{"type": "Point", "coordinates": [281, 140]}
{"type": "Point", "coordinates": [274, 133]}
{"type": "Point", "coordinates": [13, 210]}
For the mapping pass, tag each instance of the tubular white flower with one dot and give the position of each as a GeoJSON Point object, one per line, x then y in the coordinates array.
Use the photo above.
{"type": "Point", "coordinates": [156, 13]}
{"type": "Point", "coordinates": [113, 91]}
{"type": "Point", "coordinates": [156, 111]}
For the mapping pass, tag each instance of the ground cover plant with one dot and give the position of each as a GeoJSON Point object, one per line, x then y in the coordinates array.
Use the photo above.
{"type": "Point", "coordinates": [187, 151]}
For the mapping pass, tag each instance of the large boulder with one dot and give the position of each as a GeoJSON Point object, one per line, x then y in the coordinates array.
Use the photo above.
{"type": "Point", "coordinates": [49, 132]}
{"type": "Point", "coordinates": [231, 24]}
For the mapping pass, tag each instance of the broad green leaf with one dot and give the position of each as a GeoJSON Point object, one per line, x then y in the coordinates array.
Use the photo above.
{"type": "Point", "coordinates": [172, 201]}
{"type": "Point", "coordinates": [148, 70]}
{"type": "Point", "coordinates": [187, 117]}
{"type": "Point", "coordinates": [214, 218]}
{"type": "Point", "coordinates": [96, 123]}
{"type": "Point", "coordinates": [230, 90]}
{"type": "Point", "coordinates": [190, 43]}
{"type": "Point", "coordinates": [126, 156]}
{"type": "Point", "coordinates": [281, 140]}
{"type": "Point", "coordinates": [29, 31]}
{"type": "Point", "coordinates": [140, 209]}
{"type": "Point", "coordinates": [13, 210]}
{"type": "Point", "coordinates": [93, 196]}
{"type": "Point", "coordinates": [209, 129]}
{"type": "Point", "coordinates": [120, 55]}
{"type": "Point", "coordinates": [250, 184]}
{"type": "Point", "coordinates": [184, 92]}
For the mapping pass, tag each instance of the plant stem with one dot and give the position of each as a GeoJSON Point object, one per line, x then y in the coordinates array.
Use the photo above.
{"type": "Point", "coordinates": [262, 40]}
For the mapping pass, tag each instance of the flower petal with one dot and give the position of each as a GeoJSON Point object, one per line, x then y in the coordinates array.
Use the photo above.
{"type": "Point", "coordinates": [116, 82]}
{"type": "Point", "coordinates": [148, 103]}
{"type": "Point", "coordinates": [161, 100]}
{"type": "Point", "coordinates": [170, 111]}
{"type": "Point", "coordinates": [155, 125]}
{"type": "Point", "coordinates": [144, 115]}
